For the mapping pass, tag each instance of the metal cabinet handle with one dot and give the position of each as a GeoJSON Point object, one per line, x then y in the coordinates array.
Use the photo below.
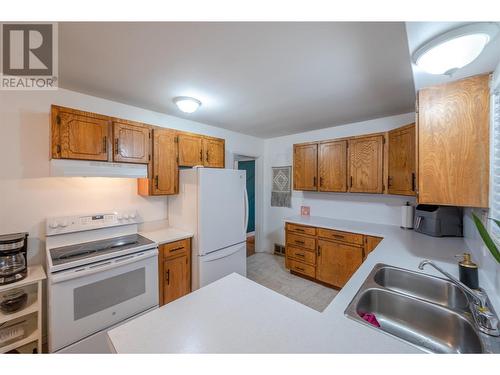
{"type": "Point", "coordinates": [201, 155]}
{"type": "Point", "coordinates": [314, 181]}
{"type": "Point", "coordinates": [338, 236]}
{"type": "Point", "coordinates": [105, 144]}
{"type": "Point", "coordinates": [351, 181]}
{"type": "Point", "coordinates": [117, 146]}
{"type": "Point", "coordinates": [176, 249]}
{"type": "Point", "coordinates": [299, 268]}
{"type": "Point", "coordinates": [319, 250]}
{"type": "Point", "coordinates": [300, 255]}
{"type": "Point", "coordinates": [299, 230]}
{"type": "Point", "coordinates": [413, 181]}
{"type": "Point", "coordinates": [156, 181]}
{"type": "Point", "coordinates": [299, 242]}
{"type": "Point", "coordinates": [389, 181]}
{"type": "Point", "coordinates": [321, 181]}
{"type": "Point", "coordinates": [207, 157]}
{"type": "Point", "coordinates": [167, 274]}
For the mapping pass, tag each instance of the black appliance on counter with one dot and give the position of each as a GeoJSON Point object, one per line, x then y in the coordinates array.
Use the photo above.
{"type": "Point", "coordinates": [438, 221]}
{"type": "Point", "coordinates": [13, 257]}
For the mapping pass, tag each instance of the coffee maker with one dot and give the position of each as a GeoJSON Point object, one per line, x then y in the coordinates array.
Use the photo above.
{"type": "Point", "coordinates": [13, 257]}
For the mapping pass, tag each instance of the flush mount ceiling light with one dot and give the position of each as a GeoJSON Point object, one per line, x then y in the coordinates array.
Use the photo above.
{"type": "Point", "coordinates": [187, 104]}
{"type": "Point", "coordinates": [454, 49]}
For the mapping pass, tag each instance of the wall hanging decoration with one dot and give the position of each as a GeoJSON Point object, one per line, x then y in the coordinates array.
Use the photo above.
{"type": "Point", "coordinates": [281, 194]}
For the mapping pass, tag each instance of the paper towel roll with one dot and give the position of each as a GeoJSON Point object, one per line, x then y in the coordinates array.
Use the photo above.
{"type": "Point", "coordinates": [407, 213]}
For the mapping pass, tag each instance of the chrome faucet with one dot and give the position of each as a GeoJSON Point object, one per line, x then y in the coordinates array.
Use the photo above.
{"type": "Point", "coordinates": [484, 316]}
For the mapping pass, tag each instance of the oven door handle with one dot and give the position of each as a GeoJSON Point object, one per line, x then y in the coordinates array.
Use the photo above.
{"type": "Point", "coordinates": [102, 266]}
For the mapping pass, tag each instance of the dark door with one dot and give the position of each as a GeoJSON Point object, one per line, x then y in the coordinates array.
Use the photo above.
{"type": "Point", "coordinates": [249, 167]}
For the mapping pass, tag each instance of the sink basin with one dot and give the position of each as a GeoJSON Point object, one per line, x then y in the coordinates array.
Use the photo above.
{"type": "Point", "coordinates": [426, 325]}
{"type": "Point", "coordinates": [429, 288]}
{"type": "Point", "coordinates": [425, 311]}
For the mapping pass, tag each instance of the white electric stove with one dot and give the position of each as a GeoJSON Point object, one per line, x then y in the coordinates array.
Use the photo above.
{"type": "Point", "coordinates": [101, 273]}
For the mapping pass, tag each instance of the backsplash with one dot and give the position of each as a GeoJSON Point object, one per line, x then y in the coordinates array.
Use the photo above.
{"type": "Point", "coordinates": [489, 271]}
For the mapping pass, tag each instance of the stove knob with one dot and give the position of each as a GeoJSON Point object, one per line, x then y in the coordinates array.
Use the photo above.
{"type": "Point", "coordinates": [119, 217]}
{"type": "Point", "coordinates": [125, 216]}
{"type": "Point", "coordinates": [63, 224]}
{"type": "Point", "coordinates": [53, 225]}
{"type": "Point", "coordinates": [133, 215]}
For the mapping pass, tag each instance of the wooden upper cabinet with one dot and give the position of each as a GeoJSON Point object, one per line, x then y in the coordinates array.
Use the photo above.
{"type": "Point", "coordinates": [214, 152]}
{"type": "Point", "coordinates": [305, 166]}
{"type": "Point", "coordinates": [332, 166]}
{"type": "Point", "coordinates": [190, 149]}
{"type": "Point", "coordinates": [366, 155]}
{"type": "Point", "coordinates": [453, 143]}
{"type": "Point", "coordinates": [80, 135]}
{"type": "Point", "coordinates": [337, 262]}
{"type": "Point", "coordinates": [165, 176]}
{"type": "Point", "coordinates": [131, 142]}
{"type": "Point", "coordinates": [401, 161]}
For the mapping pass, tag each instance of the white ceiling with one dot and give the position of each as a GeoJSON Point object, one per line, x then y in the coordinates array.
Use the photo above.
{"type": "Point", "coordinates": [263, 79]}
{"type": "Point", "coordinates": [420, 32]}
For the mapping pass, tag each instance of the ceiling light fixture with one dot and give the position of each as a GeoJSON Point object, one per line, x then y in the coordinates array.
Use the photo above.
{"type": "Point", "coordinates": [187, 104]}
{"type": "Point", "coordinates": [454, 49]}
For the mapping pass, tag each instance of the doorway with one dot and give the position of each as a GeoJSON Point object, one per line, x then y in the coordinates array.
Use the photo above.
{"type": "Point", "coordinates": [248, 165]}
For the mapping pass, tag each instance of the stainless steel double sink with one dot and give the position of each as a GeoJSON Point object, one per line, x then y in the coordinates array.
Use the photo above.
{"type": "Point", "coordinates": [428, 312]}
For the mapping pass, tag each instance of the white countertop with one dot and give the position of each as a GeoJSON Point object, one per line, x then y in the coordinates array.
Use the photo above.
{"type": "Point", "coordinates": [166, 235]}
{"type": "Point", "coordinates": [236, 315]}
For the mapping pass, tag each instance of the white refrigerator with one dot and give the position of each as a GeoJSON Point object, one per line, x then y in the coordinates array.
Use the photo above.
{"type": "Point", "coordinates": [213, 204]}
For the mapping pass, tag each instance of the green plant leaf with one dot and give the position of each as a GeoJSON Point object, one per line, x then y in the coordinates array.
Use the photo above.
{"type": "Point", "coordinates": [488, 241]}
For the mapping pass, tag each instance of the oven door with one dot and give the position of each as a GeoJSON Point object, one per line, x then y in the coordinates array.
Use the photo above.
{"type": "Point", "coordinates": [88, 299]}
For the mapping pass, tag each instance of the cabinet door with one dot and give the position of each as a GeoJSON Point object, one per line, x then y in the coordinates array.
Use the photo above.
{"type": "Point", "coordinates": [165, 168]}
{"type": "Point", "coordinates": [366, 164]}
{"type": "Point", "coordinates": [305, 167]}
{"type": "Point", "coordinates": [214, 152]}
{"type": "Point", "coordinates": [82, 136]}
{"type": "Point", "coordinates": [401, 163]}
{"type": "Point", "coordinates": [190, 150]}
{"type": "Point", "coordinates": [337, 262]}
{"type": "Point", "coordinates": [332, 161]}
{"type": "Point", "coordinates": [453, 143]}
{"type": "Point", "coordinates": [371, 243]}
{"type": "Point", "coordinates": [131, 142]}
{"type": "Point", "coordinates": [176, 280]}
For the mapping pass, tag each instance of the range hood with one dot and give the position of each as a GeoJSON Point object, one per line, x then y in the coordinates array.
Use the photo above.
{"type": "Point", "coordinates": [84, 168]}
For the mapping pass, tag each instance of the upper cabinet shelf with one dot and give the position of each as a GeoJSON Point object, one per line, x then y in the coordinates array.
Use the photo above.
{"type": "Point", "coordinates": [84, 135]}
{"type": "Point", "coordinates": [357, 164]}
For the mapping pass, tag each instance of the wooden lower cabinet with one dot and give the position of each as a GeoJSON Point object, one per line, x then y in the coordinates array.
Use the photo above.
{"type": "Point", "coordinates": [174, 274]}
{"type": "Point", "coordinates": [326, 255]}
{"type": "Point", "coordinates": [337, 262]}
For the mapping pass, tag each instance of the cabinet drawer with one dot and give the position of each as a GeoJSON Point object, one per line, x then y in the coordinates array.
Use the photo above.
{"type": "Point", "coordinates": [302, 241]}
{"type": "Point", "coordinates": [341, 236]}
{"type": "Point", "coordinates": [301, 229]}
{"type": "Point", "coordinates": [176, 248]}
{"type": "Point", "coordinates": [300, 267]}
{"type": "Point", "coordinates": [302, 255]}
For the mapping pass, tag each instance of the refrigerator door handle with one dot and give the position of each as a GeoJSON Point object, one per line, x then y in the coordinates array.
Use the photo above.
{"type": "Point", "coordinates": [247, 211]}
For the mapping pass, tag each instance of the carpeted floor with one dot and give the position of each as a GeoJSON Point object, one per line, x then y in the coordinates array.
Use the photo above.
{"type": "Point", "coordinates": [269, 270]}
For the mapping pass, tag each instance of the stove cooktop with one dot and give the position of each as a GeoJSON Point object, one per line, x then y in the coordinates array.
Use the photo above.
{"type": "Point", "coordinates": [88, 250]}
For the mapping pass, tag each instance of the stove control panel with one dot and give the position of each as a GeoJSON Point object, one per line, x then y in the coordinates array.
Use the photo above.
{"type": "Point", "coordinates": [77, 223]}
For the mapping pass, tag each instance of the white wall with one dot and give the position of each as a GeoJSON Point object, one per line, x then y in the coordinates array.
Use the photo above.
{"type": "Point", "coordinates": [377, 208]}
{"type": "Point", "coordinates": [28, 195]}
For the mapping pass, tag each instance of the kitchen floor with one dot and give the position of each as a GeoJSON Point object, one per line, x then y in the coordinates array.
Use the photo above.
{"type": "Point", "coordinates": [269, 270]}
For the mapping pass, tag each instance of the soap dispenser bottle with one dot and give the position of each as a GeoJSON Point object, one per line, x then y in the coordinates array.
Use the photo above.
{"type": "Point", "coordinates": [468, 271]}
